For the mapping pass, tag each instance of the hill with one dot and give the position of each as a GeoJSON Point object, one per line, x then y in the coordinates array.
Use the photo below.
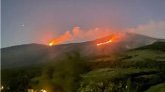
{"type": "Point", "coordinates": [156, 46]}
{"type": "Point", "coordinates": [23, 55]}
{"type": "Point", "coordinates": [136, 70]}
{"type": "Point", "coordinates": [33, 54]}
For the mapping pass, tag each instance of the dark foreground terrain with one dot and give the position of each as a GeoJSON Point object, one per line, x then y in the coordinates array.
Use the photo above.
{"type": "Point", "coordinates": [131, 63]}
{"type": "Point", "coordinates": [137, 70]}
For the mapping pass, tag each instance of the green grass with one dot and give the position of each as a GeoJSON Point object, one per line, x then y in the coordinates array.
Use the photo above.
{"type": "Point", "coordinates": [157, 88]}
{"type": "Point", "coordinates": [112, 73]}
{"type": "Point", "coordinates": [117, 79]}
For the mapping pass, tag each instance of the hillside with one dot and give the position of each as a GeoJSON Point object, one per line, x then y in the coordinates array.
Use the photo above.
{"type": "Point", "coordinates": [23, 55]}
{"type": "Point", "coordinates": [136, 70]}
{"type": "Point", "coordinates": [156, 46]}
{"type": "Point", "coordinates": [33, 54]}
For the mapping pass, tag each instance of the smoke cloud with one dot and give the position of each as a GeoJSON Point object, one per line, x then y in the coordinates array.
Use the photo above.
{"type": "Point", "coordinates": [79, 35]}
{"type": "Point", "coordinates": [153, 29]}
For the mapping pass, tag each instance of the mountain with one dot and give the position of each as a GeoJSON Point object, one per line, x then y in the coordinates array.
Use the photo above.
{"type": "Point", "coordinates": [137, 70]}
{"type": "Point", "coordinates": [23, 55]}
{"type": "Point", "coordinates": [33, 54]}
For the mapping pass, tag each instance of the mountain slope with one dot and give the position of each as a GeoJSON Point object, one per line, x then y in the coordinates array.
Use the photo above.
{"type": "Point", "coordinates": [156, 46]}
{"type": "Point", "coordinates": [136, 70]}
{"type": "Point", "coordinates": [23, 55]}
{"type": "Point", "coordinates": [31, 54]}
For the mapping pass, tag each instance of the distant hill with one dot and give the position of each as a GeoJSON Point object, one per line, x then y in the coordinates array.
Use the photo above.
{"type": "Point", "coordinates": [23, 55]}
{"type": "Point", "coordinates": [156, 46]}
{"type": "Point", "coordinates": [32, 54]}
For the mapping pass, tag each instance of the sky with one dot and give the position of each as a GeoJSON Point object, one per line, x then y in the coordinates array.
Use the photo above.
{"type": "Point", "coordinates": [38, 21]}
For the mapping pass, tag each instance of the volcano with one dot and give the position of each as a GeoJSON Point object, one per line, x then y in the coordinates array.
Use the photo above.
{"type": "Point", "coordinates": [33, 54]}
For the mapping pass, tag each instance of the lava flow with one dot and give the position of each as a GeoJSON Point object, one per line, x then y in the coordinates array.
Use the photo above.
{"type": "Point", "coordinates": [51, 44]}
{"type": "Point", "coordinates": [102, 43]}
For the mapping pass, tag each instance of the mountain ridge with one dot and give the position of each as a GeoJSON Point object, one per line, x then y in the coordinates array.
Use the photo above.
{"type": "Point", "coordinates": [31, 54]}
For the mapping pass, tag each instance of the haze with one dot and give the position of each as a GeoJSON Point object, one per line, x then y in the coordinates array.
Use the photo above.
{"type": "Point", "coordinates": [39, 21]}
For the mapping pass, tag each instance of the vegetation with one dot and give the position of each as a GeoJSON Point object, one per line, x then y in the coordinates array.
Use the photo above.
{"type": "Point", "coordinates": [62, 76]}
{"type": "Point", "coordinates": [157, 88]}
{"type": "Point", "coordinates": [138, 70]}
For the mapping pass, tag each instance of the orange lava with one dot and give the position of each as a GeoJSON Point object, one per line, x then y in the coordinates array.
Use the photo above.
{"type": "Point", "coordinates": [60, 39]}
{"type": "Point", "coordinates": [114, 38]}
{"type": "Point", "coordinates": [51, 44]}
{"type": "Point", "coordinates": [102, 43]}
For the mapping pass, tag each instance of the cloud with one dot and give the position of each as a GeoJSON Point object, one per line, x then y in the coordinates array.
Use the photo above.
{"type": "Point", "coordinates": [153, 29]}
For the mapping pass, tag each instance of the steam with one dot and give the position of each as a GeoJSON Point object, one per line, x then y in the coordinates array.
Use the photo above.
{"type": "Point", "coordinates": [78, 35]}
{"type": "Point", "coordinates": [152, 28]}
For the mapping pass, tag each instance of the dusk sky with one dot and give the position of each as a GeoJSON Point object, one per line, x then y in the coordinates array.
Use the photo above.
{"type": "Point", "coordinates": [37, 21]}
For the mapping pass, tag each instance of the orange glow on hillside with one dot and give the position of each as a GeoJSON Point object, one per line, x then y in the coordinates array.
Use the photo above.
{"type": "Point", "coordinates": [114, 38]}
{"type": "Point", "coordinates": [51, 44]}
{"type": "Point", "coordinates": [61, 39]}
{"type": "Point", "coordinates": [102, 43]}
{"type": "Point", "coordinates": [71, 37]}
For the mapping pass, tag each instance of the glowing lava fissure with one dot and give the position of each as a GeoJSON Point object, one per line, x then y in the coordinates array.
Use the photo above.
{"type": "Point", "coordinates": [102, 43]}
{"type": "Point", "coordinates": [51, 44]}
{"type": "Point", "coordinates": [113, 38]}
